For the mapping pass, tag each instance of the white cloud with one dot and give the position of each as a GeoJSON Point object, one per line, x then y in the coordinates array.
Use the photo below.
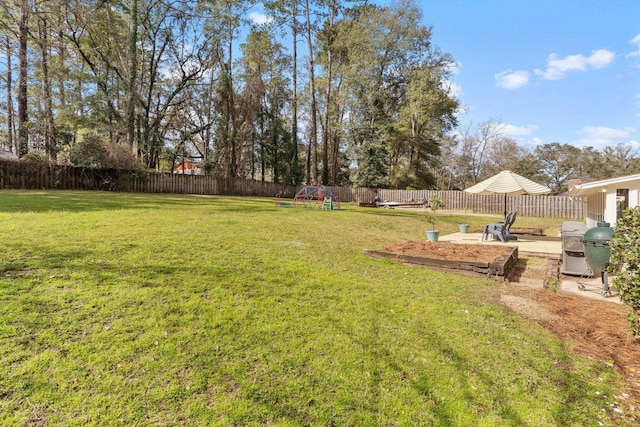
{"type": "Point", "coordinates": [557, 68]}
{"type": "Point", "coordinates": [531, 143]}
{"type": "Point", "coordinates": [510, 79]}
{"type": "Point", "coordinates": [601, 136]}
{"type": "Point", "coordinates": [454, 67]}
{"type": "Point", "coordinates": [462, 109]}
{"type": "Point", "coordinates": [455, 90]}
{"type": "Point", "coordinates": [512, 130]}
{"type": "Point", "coordinates": [606, 132]}
{"type": "Point", "coordinates": [260, 18]}
{"type": "Point", "coordinates": [636, 41]}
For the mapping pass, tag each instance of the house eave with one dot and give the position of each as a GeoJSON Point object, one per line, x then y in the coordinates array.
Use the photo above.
{"type": "Point", "coordinates": [594, 187]}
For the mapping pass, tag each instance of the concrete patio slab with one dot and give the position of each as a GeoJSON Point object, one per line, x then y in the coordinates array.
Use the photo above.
{"type": "Point", "coordinates": [548, 247]}
{"type": "Point", "coordinates": [588, 287]}
{"type": "Point", "coordinates": [526, 244]}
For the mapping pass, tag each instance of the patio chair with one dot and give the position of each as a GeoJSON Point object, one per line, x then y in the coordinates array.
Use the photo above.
{"type": "Point", "coordinates": [507, 227]}
{"type": "Point", "coordinates": [500, 230]}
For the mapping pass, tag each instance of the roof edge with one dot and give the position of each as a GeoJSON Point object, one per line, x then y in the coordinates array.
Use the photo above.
{"type": "Point", "coordinates": [593, 187]}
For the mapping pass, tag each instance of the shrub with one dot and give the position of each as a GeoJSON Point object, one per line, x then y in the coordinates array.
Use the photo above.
{"type": "Point", "coordinates": [93, 152]}
{"type": "Point", "coordinates": [36, 156]}
{"type": "Point", "coordinates": [118, 156]}
{"type": "Point", "coordinates": [211, 167]}
{"type": "Point", "coordinates": [625, 264]}
{"type": "Point", "coordinates": [89, 153]}
{"type": "Point", "coordinates": [435, 203]}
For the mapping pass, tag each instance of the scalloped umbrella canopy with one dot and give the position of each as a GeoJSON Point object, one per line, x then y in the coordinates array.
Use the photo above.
{"type": "Point", "coordinates": [509, 184]}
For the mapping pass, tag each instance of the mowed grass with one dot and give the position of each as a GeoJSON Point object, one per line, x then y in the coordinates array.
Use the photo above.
{"type": "Point", "coordinates": [128, 309]}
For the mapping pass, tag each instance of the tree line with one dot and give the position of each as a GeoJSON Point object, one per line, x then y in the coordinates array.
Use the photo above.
{"type": "Point", "coordinates": [341, 92]}
{"type": "Point", "coordinates": [477, 152]}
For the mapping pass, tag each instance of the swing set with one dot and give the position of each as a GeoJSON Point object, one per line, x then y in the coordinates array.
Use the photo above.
{"type": "Point", "coordinates": [312, 196]}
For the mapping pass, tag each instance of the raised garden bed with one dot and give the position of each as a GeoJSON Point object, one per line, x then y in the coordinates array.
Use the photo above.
{"type": "Point", "coordinates": [456, 257]}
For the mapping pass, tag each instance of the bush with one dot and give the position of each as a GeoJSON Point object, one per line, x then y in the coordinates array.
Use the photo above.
{"type": "Point", "coordinates": [118, 156]}
{"type": "Point", "coordinates": [211, 167]}
{"type": "Point", "coordinates": [625, 264]}
{"type": "Point", "coordinates": [88, 153]}
{"type": "Point", "coordinates": [92, 152]}
{"type": "Point", "coordinates": [36, 156]}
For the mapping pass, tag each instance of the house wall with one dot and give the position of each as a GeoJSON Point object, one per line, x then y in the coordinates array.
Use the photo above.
{"type": "Point", "coordinates": [610, 206]}
{"type": "Point", "coordinates": [603, 206]}
{"type": "Point", "coordinates": [595, 209]}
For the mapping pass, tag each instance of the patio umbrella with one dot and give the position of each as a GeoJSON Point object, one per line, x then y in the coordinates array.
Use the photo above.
{"type": "Point", "coordinates": [509, 184]}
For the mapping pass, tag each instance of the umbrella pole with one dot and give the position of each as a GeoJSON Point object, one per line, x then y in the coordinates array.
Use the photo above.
{"type": "Point", "coordinates": [505, 205]}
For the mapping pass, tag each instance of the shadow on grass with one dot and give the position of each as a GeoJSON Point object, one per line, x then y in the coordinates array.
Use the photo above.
{"type": "Point", "coordinates": [13, 201]}
{"type": "Point", "coordinates": [499, 402]}
{"type": "Point", "coordinates": [81, 201]}
{"type": "Point", "coordinates": [376, 212]}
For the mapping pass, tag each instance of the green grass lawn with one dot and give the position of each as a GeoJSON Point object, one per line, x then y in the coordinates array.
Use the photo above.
{"type": "Point", "coordinates": [128, 309]}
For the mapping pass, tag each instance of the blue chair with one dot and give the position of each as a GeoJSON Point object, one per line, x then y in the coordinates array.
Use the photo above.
{"type": "Point", "coordinates": [507, 227]}
{"type": "Point", "coordinates": [500, 230]}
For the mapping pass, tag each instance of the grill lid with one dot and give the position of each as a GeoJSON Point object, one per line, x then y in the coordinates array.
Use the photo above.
{"type": "Point", "coordinates": [573, 227]}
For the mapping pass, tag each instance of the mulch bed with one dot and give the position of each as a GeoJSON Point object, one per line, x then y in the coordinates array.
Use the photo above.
{"type": "Point", "coordinates": [448, 251]}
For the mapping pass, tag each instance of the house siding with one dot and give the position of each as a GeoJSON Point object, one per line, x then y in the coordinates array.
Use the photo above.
{"type": "Point", "coordinates": [595, 209]}
{"type": "Point", "coordinates": [608, 204]}
{"type": "Point", "coordinates": [601, 197]}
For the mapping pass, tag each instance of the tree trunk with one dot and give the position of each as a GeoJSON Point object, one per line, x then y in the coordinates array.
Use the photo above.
{"type": "Point", "coordinates": [62, 54]}
{"type": "Point", "coordinates": [9, 143]}
{"type": "Point", "coordinates": [263, 154]}
{"type": "Point", "coordinates": [312, 152]}
{"type": "Point", "coordinates": [231, 118]}
{"type": "Point", "coordinates": [273, 134]}
{"type": "Point", "coordinates": [335, 148]}
{"type": "Point", "coordinates": [23, 117]}
{"type": "Point", "coordinates": [49, 126]}
{"type": "Point", "coordinates": [294, 167]}
{"type": "Point", "coordinates": [230, 122]}
{"type": "Point", "coordinates": [325, 133]}
{"type": "Point", "coordinates": [133, 68]}
{"type": "Point", "coordinates": [208, 135]}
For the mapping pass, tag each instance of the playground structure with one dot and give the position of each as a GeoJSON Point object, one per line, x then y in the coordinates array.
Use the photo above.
{"type": "Point", "coordinates": [312, 196]}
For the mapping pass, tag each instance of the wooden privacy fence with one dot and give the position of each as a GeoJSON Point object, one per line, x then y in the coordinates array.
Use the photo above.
{"type": "Point", "coordinates": [35, 175]}
{"type": "Point", "coordinates": [527, 205]}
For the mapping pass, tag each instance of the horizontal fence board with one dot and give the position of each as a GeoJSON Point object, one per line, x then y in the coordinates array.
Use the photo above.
{"type": "Point", "coordinates": [37, 176]}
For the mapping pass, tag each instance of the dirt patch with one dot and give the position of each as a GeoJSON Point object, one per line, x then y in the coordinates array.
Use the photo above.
{"type": "Point", "coordinates": [448, 251]}
{"type": "Point", "coordinates": [529, 308]}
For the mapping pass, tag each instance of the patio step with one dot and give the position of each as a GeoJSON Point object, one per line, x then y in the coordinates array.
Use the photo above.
{"type": "Point", "coordinates": [536, 271]}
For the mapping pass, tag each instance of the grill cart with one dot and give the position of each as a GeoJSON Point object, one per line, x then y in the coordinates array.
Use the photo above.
{"type": "Point", "coordinates": [597, 251]}
{"type": "Point", "coordinates": [574, 262]}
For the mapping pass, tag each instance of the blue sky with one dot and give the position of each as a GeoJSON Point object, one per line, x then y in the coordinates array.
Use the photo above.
{"type": "Point", "coordinates": [563, 71]}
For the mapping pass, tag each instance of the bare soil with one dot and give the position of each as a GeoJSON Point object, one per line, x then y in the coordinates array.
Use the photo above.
{"type": "Point", "coordinates": [594, 328]}
{"type": "Point", "coordinates": [447, 250]}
